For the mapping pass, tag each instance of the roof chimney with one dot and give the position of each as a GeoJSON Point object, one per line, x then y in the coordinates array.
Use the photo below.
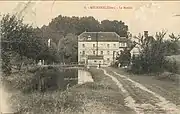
{"type": "Point", "coordinates": [145, 34]}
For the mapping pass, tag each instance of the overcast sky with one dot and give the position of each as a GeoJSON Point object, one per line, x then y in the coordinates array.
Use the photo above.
{"type": "Point", "coordinates": [151, 16]}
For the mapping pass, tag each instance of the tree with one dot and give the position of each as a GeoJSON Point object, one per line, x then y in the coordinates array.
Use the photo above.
{"type": "Point", "coordinates": [125, 57]}
{"type": "Point", "coordinates": [89, 24]}
{"type": "Point", "coordinates": [68, 48]}
{"type": "Point", "coordinates": [174, 44]}
{"type": "Point", "coordinates": [172, 48]}
{"type": "Point", "coordinates": [152, 54]}
{"type": "Point", "coordinates": [174, 38]}
{"type": "Point", "coordinates": [114, 26]}
{"type": "Point", "coordinates": [75, 25]}
{"type": "Point", "coordinates": [19, 38]}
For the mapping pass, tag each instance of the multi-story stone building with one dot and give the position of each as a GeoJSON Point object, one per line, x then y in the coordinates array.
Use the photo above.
{"type": "Point", "coordinates": [99, 47]}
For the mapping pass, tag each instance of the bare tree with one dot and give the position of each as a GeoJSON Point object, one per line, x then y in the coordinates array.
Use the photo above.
{"type": "Point", "coordinates": [174, 38]}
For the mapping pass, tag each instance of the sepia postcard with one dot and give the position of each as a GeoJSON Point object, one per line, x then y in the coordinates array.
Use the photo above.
{"type": "Point", "coordinates": [89, 57]}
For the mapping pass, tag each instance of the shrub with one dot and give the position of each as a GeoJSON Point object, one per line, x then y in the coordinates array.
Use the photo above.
{"type": "Point", "coordinates": [152, 55]}
{"type": "Point", "coordinates": [136, 65]}
{"type": "Point", "coordinates": [171, 66]}
{"type": "Point", "coordinates": [115, 64]}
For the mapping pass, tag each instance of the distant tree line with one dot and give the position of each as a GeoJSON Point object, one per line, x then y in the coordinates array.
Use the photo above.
{"type": "Point", "coordinates": [21, 41]}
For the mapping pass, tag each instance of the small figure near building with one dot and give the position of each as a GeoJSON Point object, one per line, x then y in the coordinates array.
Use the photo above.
{"type": "Point", "coordinates": [40, 62]}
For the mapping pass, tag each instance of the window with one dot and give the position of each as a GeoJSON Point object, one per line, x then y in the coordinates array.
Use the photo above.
{"type": "Point", "coordinates": [93, 45]}
{"type": "Point", "coordinates": [94, 52]}
{"type": "Point", "coordinates": [108, 45]}
{"type": "Point", "coordinates": [123, 44]}
{"type": "Point", "coordinates": [114, 45]}
{"type": "Point", "coordinates": [94, 60]}
{"type": "Point", "coordinates": [89, 37]}
{"type": "Point", "coordinates": [83, 45]}
{"type": "Point", "coordinates": [108, 59]}
{"type": "Point", "coordinates": [108, 52]}
{"type": "Point", "coordinates": [101, 52]}
{"type": "Point", "coordinates": [83, 52]}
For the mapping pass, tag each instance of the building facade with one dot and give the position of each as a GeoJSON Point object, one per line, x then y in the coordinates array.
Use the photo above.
{"type": "Point", "coordinates": [99, 47]}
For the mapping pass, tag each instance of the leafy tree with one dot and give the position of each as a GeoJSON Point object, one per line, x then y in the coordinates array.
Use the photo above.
{"type": "Point", "coordinates": [50, 55]}
{"type": "Point", "coordinates": [19, 38]}
{"type": "Point", "coordinates": [75, 25]}
{"type": "Point", "coordinates": [172, 48]}
{"type": "Point", "coordinates": [152, 56]}
{"type": "Point", "coordinates": [89, 24]}
{"type": "Point", "coordinates": [125, 57]}
{"type": "Point", "coordinates": [174, 45]}
{"type": "Point", "coordinates": [114, 26]}
{"type": "Point", "coordinates": [68, 48]}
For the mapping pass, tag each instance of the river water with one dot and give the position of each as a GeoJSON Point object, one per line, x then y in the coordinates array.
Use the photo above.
{"type": "Point", "coordinates": [76, 76]}
{"type": "Point", "coordinates": [84, 76]}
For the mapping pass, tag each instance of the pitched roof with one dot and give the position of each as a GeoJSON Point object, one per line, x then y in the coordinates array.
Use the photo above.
{"type": "Point", "coordinates": [100, 36]}
{"type": "Point", "coordinates": [91, 57]}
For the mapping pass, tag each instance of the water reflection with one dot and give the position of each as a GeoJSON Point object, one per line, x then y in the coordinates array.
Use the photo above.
{"type": "Point", "coordinates": [70, 77]}
{"type": "Point", "coordinates": [76, 76]}
{"type": "Point", "coordinates": [84, 76]}
{"type": "Point", "coordinates": [48, 79]}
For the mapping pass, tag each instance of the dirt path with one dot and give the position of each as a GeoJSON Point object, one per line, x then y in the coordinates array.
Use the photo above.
{"type": "Point", "coordinates": [141, 99]}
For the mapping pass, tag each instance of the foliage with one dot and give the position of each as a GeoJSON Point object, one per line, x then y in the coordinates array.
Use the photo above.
{"type": "Point", "coordinates": [125, 57]}
{"type": "Point", "coordinates": [171, 66]}
{"type": "Point", "coordinates": [115, 65]}
{"type": "Point", "coordinates": [49, 55]}
{"type": "Point", "coordinates": [114, 26]}
{"type": "Point", "coordinates": [64, 25]}
{"type": "Point", "coordinates": [173, 45]}
{"type": "Point", "coordinates": [68, 48]}
{"type": "Point", "coordinates": [19, 38]}
{"type": "Point", "coordinates": [152, 56]}
{"type": "Point", "coordinates": [5, 61]}
{"type": "Point", "coordinates": [174, 38]}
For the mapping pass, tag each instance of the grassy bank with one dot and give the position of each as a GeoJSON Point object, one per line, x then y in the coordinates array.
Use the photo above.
{"type": "Point", "coordinates": [99, 96]}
